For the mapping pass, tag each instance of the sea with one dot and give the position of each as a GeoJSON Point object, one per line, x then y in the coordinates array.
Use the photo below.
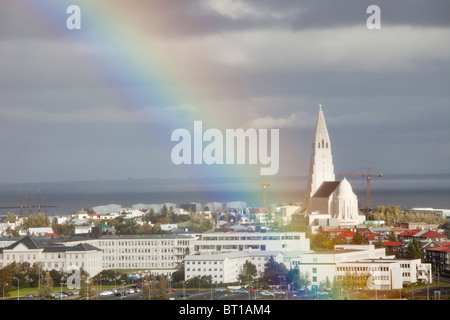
{"type": "Point", "coordinates": [64, 197]}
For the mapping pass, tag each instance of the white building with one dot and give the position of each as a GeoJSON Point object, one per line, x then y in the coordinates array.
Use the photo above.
{"type": "Point", "coordinates": [283, 214]}
{"type": "Point", "coordinates": [152, 252]}
{"type": "Point", "coordinates": [214, 242]}
{"type": "Point", "coordinates": [51, 256]}
{"type": "Point", "coordinates": [40, 231]}
{"type": "Point", "coordinates": [321, 166]}
{"type": "Point", "coordinates": [328, 202]}
{"type": "Point", "coordinates": [225, 267]}
{"type": "Point", "coordinates": [385, 272]}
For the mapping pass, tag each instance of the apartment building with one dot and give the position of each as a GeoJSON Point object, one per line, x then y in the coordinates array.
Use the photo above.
{"type": "Point", "coordinates": [385, 272]}
{"type": "Point", "coordinates": [214, 242]}
{"type": "Point", "coordinates": [225, 267]}
{"type": "Point", "coordinates": [52, 256]}
{"type": "Point", "coordinates": [140, 251]}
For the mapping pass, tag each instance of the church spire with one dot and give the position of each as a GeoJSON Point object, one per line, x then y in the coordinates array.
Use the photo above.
{"type": "Point", "coordinates": [321, 165]}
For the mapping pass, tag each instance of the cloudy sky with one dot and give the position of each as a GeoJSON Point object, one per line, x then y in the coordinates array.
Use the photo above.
{"type": "Point", "coordinates": [102, 102]}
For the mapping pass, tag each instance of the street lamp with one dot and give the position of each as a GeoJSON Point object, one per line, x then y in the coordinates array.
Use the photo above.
{"type": "Point", "coordinates": [18, 288]}
{"type": "Point", "coordinates": [4, 290]}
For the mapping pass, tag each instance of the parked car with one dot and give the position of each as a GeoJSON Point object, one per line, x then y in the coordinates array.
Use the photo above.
{"type": "Point", "coordinates": [221, 289]}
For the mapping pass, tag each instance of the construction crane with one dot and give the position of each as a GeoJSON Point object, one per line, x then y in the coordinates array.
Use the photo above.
{"type": "Point", "coordinates": [367, 176]}
{"type": "Point", "coordinates": [264, 186]}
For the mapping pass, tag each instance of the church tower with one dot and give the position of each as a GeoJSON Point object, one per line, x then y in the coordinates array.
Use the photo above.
{"type": "Point", "coordinates": [321, 167]}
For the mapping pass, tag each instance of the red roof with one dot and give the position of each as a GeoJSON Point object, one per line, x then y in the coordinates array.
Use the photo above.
{"type": "Point", "coordinates": [49, 234]}
{"type": "Point", "coordinates": [432, 234]}
{"type": "Point", "coordinates": [442, 249]}
{"type": "Point", "coordinates": [422, 234]}
{"type": "Point", "coordinates": [444, 244]}
{"type": "Point", "coordinates": [392, 244]}
{"type": "Point", "coordinates": [370, 235]}
{"type": "Point", "coordinates": [346, 234]}
{"type": "Point", "coordinates": [335, 230]}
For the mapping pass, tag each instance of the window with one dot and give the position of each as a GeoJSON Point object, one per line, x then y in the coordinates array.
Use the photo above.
{"type": "Point", "coordinates": [314, 270]}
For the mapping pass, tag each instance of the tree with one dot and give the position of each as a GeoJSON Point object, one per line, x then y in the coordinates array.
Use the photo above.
{"type": "Point", "coordinates": [10, 218]}
{"type": "Point", "coordinates": [36, 221]}
{"type": "Point", "coordinates": [392, 237]}
{"type": "Point", "coordinates": [45, 289]}
{"type": "Point", "coordinates": [305, 281]}
{"type": "Point", "coordinates": [358, 238]}
{"type": "Point", "coordinates": [161, 289]}
{"type": "Point", "coordinates": [273, 271]}
{"type": "Point", "coordinates": [178, 275]}
{"type": "Point", "coordinates": [414, 250]}
{"type": "Point", "coordinates": [87, 290]}
{"type": "Point", "coordinates": [64, 229]}
{"type": "Point", "coordinates": [326, 284]}
{"type": "Point", "coordinates": [248, 272]}
{"type": "Point", "coordinates": [293, 276]}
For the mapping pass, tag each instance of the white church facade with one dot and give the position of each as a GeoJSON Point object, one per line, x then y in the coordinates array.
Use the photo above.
{"type": "Point", "coordinates": [328, 203]}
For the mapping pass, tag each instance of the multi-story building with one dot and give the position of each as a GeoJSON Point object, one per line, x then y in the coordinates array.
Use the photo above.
{"type": "Point", "coordinates": [361, 261]}
{"type": "Point", "coordinates": [52, 256]}
{"type": "Point", "coordinates": [214, 242]}
{"type": "Point", "coordinates": [225, 267]}
{"type": "Point", "coordinates": [153, 252]}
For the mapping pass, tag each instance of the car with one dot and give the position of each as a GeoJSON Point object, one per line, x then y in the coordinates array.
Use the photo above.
{"type": "Point", "coordinates": [58, 296]}
{"type": "Point", "coordinates": [106, 293]}
{"type": "Point", "coordinates": [130, 291]}
{"type": "Point", "coordinates": [173, 290]}
{"type": "Point", "coordinates": [221, 289]}
{"type": "Point", "coordinates": [251, 290]}
{"type": "Point", "coordinates": [29, 296]}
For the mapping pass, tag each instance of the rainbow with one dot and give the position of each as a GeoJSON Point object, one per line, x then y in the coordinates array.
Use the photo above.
{"type": "Point", "coordinates": [126, 62]}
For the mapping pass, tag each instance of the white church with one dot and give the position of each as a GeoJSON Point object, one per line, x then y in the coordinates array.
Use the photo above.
{"type": "Point", "coordinates": [328, 203]}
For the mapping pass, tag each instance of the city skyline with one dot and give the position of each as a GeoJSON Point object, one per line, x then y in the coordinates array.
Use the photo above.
{"type": "Point", "coordinates": [100, 103]}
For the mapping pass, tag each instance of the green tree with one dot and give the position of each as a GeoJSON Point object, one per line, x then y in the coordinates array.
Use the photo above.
{"type": "Point", "coordinates": [326, 284]}
{"type": "Point", "coordinates": [178, 275]}
{"type": "Point", "coordinates": [45, 289]}
{"type": "Point", "coordinates": [161, 289]}
{"type": "Point", "coordinates": [248, 272]}
{"type": "Point", "coordinates": [414, 250]}
{"type": "Point", "coordinates": [358, 238]}
{"type": "Point", "coordinates": [273, 271]}
{"type": "Point", "coordinates": [293, 276]}
{"type": "Point", "coordinates": [10, 218]}
{"type": "Point", "coordinates": [87, 288]}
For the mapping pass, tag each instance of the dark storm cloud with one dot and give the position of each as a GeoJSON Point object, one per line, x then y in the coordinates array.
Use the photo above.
{"type": "Point", "coordinates": [270, 62]}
